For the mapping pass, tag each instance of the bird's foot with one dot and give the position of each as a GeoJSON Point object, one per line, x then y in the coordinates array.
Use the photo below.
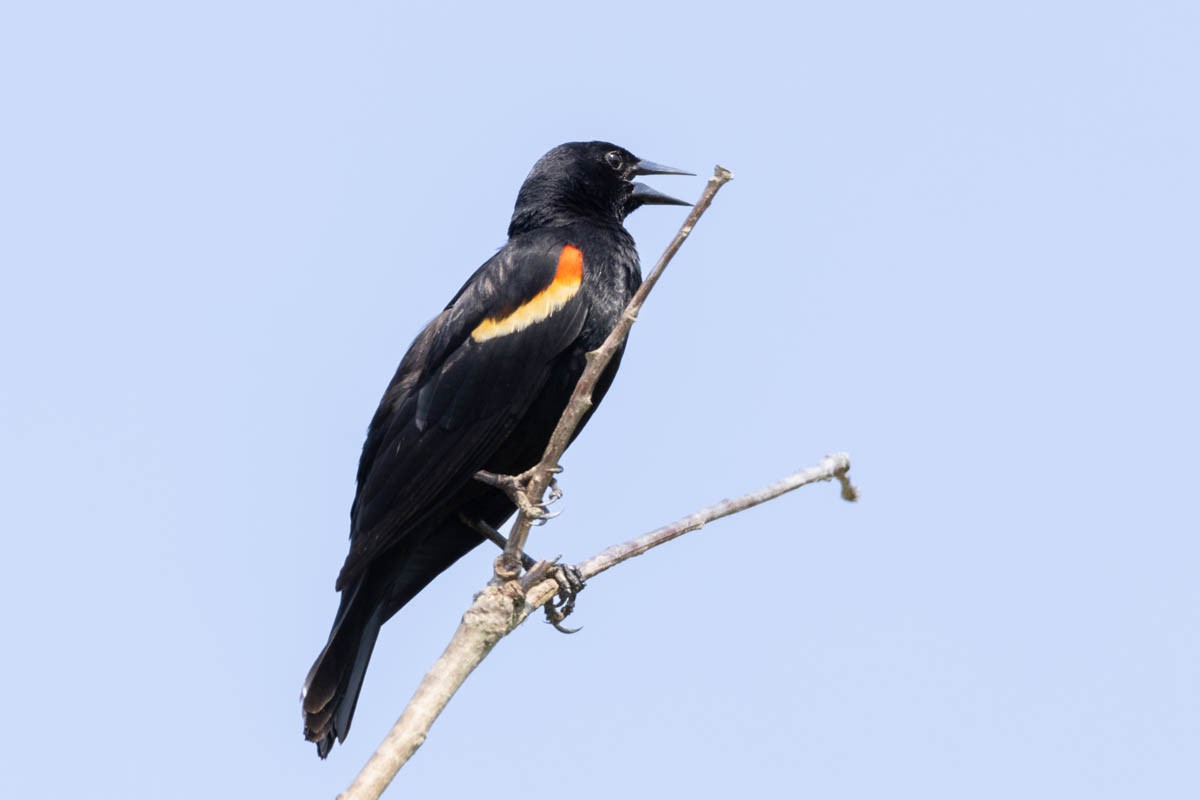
{"type": "Point", "coordinates": [570, 584]}
{"type": "Point", "coordinates": [567, 576]}
{"type": "Point", "coordinates": [539, 512]}
{"type": "Point", "coordinates": [518, 488]}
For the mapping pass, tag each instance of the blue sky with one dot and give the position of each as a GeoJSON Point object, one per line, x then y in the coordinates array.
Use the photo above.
{"type": "Point", "coordinates": [961, 246]}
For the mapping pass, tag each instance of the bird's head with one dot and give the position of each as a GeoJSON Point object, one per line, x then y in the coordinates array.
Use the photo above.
{"type": "Point", "coordinates": [592, 180]}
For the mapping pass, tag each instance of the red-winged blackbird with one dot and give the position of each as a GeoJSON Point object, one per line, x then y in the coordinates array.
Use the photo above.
{"type": "Point", "coordinates": [482, 387]}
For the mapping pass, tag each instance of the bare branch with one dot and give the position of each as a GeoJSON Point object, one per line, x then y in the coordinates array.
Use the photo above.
{"type": "Point", "coordinates": [581, 399]}
{"type": "Point", "coordinates": [834, 466]}
{"type": "Point", "coordinates": [511, 597]}
{"type": "Point", "coordinates": [493, 615]}
{"type": "Point", "coordinates": [502, 606]}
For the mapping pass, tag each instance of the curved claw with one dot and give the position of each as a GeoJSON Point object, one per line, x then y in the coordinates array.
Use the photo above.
{"type": "Point", "coordinates": [556, 493]}
{"type": "Point", "coordinates": [538, 515]}
{"type": "Point", "coordinates": [558, 626]}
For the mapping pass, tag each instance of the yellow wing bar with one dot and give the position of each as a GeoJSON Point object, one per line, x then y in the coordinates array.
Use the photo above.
{"type": "Point", "coordinates": [567, 279]}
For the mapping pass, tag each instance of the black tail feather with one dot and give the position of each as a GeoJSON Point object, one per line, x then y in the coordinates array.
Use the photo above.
{"type": "Point", "coordinates": [331, 689]}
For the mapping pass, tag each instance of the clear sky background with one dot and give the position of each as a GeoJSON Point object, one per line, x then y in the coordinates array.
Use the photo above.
{"type": "Point", "coordinates": [962, 245]}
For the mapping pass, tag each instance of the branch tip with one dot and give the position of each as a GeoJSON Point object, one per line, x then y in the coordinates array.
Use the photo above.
{"type": "Point", "coordinates": [839, 466]}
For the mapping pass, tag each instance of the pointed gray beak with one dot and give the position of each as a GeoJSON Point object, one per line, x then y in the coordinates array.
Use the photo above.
{"type": "Point", "coordinates": [644, 167]}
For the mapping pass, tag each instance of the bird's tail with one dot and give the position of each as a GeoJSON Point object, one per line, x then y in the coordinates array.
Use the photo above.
{"type": "Point", "coordinates": [331, 689]}
{"type": "Point", "coordinates": [369, 600]}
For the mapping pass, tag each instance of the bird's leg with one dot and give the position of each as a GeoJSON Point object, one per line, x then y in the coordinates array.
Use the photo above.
{"type": "Point", "coordinates": [495, 537]}
{"type": "Point", "coordinates": [517, 489]}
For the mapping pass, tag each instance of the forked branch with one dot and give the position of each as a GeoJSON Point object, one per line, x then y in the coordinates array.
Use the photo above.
{"type": "Point", "coordinates": [511, 597]}
{"type": "Point", "coordinates": [502, 606]}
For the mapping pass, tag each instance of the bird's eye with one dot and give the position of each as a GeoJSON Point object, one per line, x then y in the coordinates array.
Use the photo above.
{"type": "Point", "coordinates": [614, 159]}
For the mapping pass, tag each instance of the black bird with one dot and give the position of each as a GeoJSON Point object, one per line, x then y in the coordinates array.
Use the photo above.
{"type": "Point", "coordinates": [481, 387]}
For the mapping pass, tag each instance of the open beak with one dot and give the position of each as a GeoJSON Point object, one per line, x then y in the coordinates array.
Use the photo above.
{"type": "Point", "coordinates": [643, 195]}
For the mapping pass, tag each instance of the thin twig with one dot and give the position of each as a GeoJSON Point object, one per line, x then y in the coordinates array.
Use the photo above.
{"type": "Point", "coordinates": [501, 607]}
{"type": "Point", "coordinates": [597, 360]}
{"type": "Point", "coordinates": [831, 467]}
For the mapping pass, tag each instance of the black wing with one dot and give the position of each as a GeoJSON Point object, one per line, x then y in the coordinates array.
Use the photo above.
{"type": "Point", "coordinates": [464, 384]}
